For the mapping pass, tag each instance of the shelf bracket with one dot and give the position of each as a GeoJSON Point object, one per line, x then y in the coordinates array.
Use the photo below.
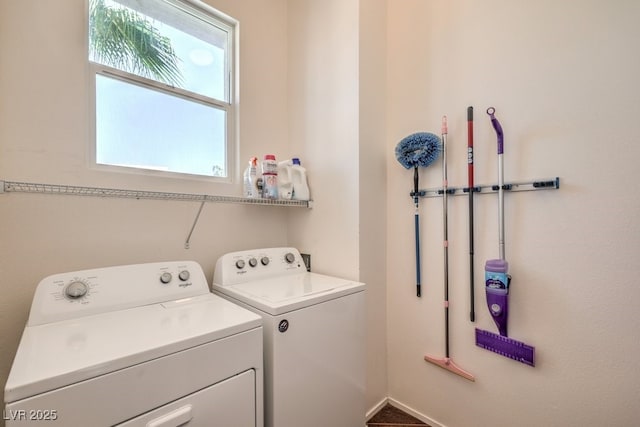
{"type": "Point", "coordinates": [195, 221]}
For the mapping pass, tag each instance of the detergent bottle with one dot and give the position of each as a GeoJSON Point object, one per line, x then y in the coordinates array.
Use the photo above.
{"type": "Point", "coordinates": [269, 177]}
{"type": "Point", "coordinates": [251, 179]}
{"type": "Point", "coordinates": [285, 185]}
{"type": "Point", "coordinates": [299, 179]}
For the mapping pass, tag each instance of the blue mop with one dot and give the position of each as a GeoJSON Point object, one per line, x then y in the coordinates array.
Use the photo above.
{"type": "Point", "coordinates": [418, 150]}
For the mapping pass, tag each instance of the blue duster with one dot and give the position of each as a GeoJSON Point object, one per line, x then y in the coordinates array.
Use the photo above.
{"type": "Point", "coordinates": [418, 149]}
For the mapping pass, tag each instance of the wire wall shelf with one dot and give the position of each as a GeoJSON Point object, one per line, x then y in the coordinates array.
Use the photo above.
{"type": "Point", "coordinates": [70, 190]}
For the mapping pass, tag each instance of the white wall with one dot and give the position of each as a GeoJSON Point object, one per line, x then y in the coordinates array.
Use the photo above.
{"type": "Point", "coordinates": [44, 135]}
{"type": "Point", "coordinates": [373, 190]}
{"type": "Point", "coordinates": [563, 79]}
{"type": "Point", "coordinates": [337, 73]}
{"type": "Point", "coordinates": [339, 132]}
{"type": "Point", "coordinates": [323, 120]}
{"type": "Point", "coordinates": [300, 94]}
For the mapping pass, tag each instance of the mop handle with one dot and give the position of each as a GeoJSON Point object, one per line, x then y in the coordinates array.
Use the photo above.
{"type": "Point", "coordinates": [470, 147]}
{"type": "Point", "coordinates": [496, 125]}
{"type": "Point", "coordinates": [472, 313]}
{"type": "Point", "coordinates": [445, 184]}
{"type": "Point", "coordinates": [417, 231]}
{"type": "Point", "coordinates": [416, 191]}
{"type": "Point", "coordinates": [416, 217]}
{"type": "Point", "coordinates": [445, 199]}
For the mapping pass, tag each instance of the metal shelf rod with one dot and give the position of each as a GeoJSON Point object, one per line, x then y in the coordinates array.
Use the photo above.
{"type": "Point", "coordinates": [29, 187]}
{"type": "Point", "coordinates": [541, 184]}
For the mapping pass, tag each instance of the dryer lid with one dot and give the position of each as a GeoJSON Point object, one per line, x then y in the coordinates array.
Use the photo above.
{"type": "Point", "coordinates": [58, 354]}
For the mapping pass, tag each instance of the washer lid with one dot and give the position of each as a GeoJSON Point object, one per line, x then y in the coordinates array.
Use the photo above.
{"type": "Point", "coordinates": [58, 354]}
{"type": "Point", "coordinates": [278, 295]}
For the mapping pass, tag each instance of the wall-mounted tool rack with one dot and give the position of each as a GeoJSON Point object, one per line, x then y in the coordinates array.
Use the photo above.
{"type": "Point", "coordinates": [542, 184]}
{"type": "Point", "coordinates": [72, 190]}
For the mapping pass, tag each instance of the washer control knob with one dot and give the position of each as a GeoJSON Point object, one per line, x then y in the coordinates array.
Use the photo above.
{"type": "Point", "coordinates": [76, 289]}
{"type": "Point", "coordinates": [289, 257]}
{"type": "Point", "coordinates": [264, 260]}
{"type": "Point", "coordinates": [166, 277]}
{"type": "Point", "coordinates": [184, 275]}
{"type": "Point", "coordinates": [240, 264]}
{"type": "Point", "coordinates": [253, 262]}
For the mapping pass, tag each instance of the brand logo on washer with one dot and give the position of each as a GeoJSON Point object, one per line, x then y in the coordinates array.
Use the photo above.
{"type": "Point", "coordinates": [283, 325]}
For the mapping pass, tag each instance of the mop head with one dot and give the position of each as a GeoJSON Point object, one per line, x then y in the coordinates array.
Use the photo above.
{"type": "Point", "coordinates": [447, 363]}
{"type": "Point", "coordinates": [418, 149]}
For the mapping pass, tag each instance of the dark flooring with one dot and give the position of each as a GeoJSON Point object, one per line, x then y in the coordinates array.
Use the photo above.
{"type": "Point", "coordinates": [390, 416]}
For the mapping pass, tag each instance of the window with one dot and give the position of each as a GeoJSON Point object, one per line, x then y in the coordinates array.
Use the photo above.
{"type": "Point", "coordinates": [163, 86]}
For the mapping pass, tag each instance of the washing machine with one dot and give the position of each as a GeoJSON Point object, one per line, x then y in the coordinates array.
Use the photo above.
{"type": "Point", "coordinates": [136, 345]}
{"type": "Point", "coordinates": [314, 336]}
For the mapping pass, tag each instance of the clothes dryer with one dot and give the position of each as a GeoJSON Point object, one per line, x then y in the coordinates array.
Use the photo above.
{"type": "Point", "coordinates": [137, 345]}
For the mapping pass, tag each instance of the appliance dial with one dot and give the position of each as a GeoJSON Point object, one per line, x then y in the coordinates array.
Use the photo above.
{"type": "Point", "coordinates": [264, 260]}
{"type": "Point", "coordinates": [76, 289]}
{"type": "Point", "coordinates": [240, 264]}
{"type": "Point", "coordinates": [290, 258]}
{"type": "Point", "coordinates": [184, 275]}
{"type": "Point", "coordinates": [253, 262]}
{"type": "Point", "coordinates": [166, 277]}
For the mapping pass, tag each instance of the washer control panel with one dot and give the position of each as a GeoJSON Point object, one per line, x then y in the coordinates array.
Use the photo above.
{"type": "Point", "coordinates": [256, 264]}
{"type": "Point", "coordinates": [82, 293]}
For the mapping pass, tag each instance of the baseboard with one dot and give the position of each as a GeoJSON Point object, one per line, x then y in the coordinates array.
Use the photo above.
{"type": "Point", "coordinates": [371, 412]}
{"type": "Point", "coordinates": [413, 412]}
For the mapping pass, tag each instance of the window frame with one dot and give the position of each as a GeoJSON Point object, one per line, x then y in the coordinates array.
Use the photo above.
{"type": "Point", "coordinates": [231, 143]}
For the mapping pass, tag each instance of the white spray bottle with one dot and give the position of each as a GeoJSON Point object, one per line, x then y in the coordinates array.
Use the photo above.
{"type": "Point", "coordinates": [251, 179]}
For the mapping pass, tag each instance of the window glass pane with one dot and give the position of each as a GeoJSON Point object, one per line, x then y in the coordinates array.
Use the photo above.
{"type": "Point", "coordinates": [148, 129]}
{"type": "Point", "coordinates": [159, 40]}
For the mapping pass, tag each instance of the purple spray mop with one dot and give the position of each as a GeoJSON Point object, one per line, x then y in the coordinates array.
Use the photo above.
{"type": "Point", "coordinates": [497, 280]}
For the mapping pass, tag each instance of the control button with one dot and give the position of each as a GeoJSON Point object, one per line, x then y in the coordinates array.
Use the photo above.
{"type": "Point", "coordinates": [184, 275]}
{"type": "Point", "coordinates": [253, 262]}
{"type": "Point", "coordinates": [264, 260]}
{"type": "Point", "coordinates": [290, 258]}
{"type": "Point", "coordinates": [240, 264]}
{"type": "Point", "coordinates": [76, 289]}
{"type": "Point", "coordinates": [166, 277]}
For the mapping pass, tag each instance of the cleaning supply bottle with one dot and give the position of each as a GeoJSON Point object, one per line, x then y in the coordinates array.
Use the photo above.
{"type": "Point", "coordinates": [497, 282]}
{"type": "Point", "coordinates": [269, 177]}
{"type": "Point", "coordinates": [299, 179]}
{"type": "Point", "coordinates": [285, 185]}
{"type": "Point", "coordinates": [251, 179]}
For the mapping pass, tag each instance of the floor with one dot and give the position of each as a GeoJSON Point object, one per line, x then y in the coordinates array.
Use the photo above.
{"type": "Point", "coordinates": [390, 416]}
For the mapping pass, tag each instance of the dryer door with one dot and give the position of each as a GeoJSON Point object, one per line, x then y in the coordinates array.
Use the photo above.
{"type": "Point", "coordinates": [228, 403]}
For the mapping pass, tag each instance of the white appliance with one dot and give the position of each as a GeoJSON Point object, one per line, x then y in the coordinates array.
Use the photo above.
{"type": "Point", "coordinates": [314, 336]}
{"type": "Point", "coordinates": [138, 345]}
